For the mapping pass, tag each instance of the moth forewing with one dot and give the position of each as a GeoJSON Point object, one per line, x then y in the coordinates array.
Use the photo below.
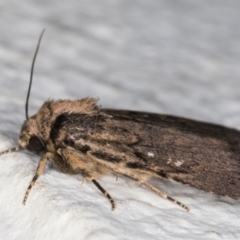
{"type": "Point", "coordinates": [79, 137]}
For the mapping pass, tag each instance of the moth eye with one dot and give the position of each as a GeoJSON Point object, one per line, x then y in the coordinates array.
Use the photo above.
{"type": "Point", "coordinates": [36, 144]}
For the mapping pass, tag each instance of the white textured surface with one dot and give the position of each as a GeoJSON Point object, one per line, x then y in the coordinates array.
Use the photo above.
{"type": "Point", "coordinates": [174, 57]}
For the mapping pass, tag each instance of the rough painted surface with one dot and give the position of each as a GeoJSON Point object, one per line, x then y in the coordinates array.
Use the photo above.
{"type": "Point", "coordinates": [180, 58]}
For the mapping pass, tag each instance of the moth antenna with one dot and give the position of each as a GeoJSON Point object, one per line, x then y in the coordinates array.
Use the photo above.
{"type": "Point", "coordinates": [31, 75]}
{"type": "Point", "coordinates": [15, 149]}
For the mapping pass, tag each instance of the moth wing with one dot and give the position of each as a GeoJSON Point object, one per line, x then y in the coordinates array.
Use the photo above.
{"type": "Point", "coordinates": [203, 155]}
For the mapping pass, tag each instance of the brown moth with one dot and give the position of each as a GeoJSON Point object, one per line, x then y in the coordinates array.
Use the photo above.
{"type": "Point", "coordinates": [79, 137]}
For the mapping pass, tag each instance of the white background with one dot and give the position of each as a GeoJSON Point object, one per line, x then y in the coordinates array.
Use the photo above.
{"type": "Point", "coordinates": [173, 57]}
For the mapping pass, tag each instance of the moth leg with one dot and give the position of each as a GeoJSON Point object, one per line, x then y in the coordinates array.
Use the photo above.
{"type": "Point", "coordinates": [134, 183]}
{"type": "Point", "coordinates": [136, 178]}
{"type": "Point", "coordinates": [163, 195]}
{"type": "Point", "coordinates": [40, 168]}
{"type": "Point", "coordinates": [105, 193]}
{"type": "Point", "coordinates": [84, 180]}
{"type": "Point", "coordinates": [81, 164]}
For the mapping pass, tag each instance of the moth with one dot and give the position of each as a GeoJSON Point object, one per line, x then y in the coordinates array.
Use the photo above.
{"type": "Point", "coordinates": [79, 137]}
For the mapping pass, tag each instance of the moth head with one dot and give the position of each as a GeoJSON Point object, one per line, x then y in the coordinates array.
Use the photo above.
{"type": "Point", "coordinates": [30, 136]}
